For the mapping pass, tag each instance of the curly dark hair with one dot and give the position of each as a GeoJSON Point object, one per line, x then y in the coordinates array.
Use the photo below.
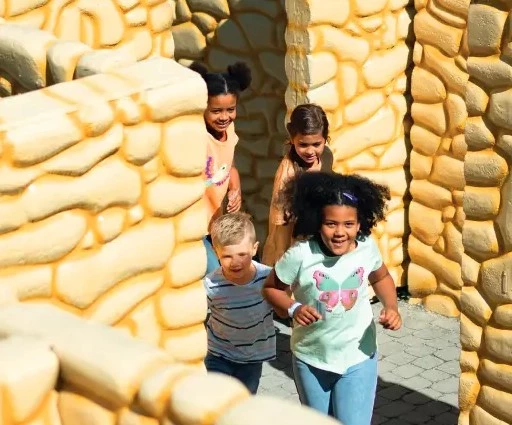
{"type": "Point", "coordinates": [305, 197]}
{"type": "Point", "coordinates": [234, 81]}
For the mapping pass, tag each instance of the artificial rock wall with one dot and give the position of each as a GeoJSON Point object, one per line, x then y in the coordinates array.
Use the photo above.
{"type": "Point", "coordinates": [101, 210]}
{"type": "Point", "coordinates": [351, 58]}
{"type": "Point", "coordinates": [59, 369]}
{"type": "Point", "coordinates": [486, 322]}
{"type": "Point", "coordinates": [436, 215]}
{"type": "Point", "coordinates": [51, 41]}
{"type": "Point", "coordinates": [219, 33]}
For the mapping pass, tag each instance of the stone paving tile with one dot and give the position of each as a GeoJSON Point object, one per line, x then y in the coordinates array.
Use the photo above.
{"type": "Point", "coordinates": [418, 370]}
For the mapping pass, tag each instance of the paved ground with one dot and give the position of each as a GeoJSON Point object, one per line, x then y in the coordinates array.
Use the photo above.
{"type": "Point", "coordinates": [418, 370]}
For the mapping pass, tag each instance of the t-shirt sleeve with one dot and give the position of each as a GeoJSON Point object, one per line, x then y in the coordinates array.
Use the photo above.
{"type": "Point", "coordinates": [288, 267]}
{"type": "Point", "coordinates": [376, 255]}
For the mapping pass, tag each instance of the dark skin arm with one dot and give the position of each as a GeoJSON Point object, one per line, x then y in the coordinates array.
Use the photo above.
{"type": "Point", "coordinates": [277, 294]}
{"type": "Point", "coordinates": [385, 290]}
{"type": "Point", "coordinates": [234, 188]}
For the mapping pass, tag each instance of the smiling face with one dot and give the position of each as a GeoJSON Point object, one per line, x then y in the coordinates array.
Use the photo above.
{"type": "Point", "coordinates": [220, 113]}
{"type": "Point", "coordinates": [236, 260]}
{"type": "Point", "coordinates": [309, 147]}
{"type": "Point", "coordinates": [339, 228]}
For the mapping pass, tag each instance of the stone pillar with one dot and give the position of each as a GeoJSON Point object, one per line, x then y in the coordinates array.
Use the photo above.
{"type": "Point", "coordinates": [436, 215]}
{"type": "Point", "coordinates": [350, 57]}
{"type": "Point", "coordinates": [486, 322]}
{"type": "Point", "coordinates": [219, 33]}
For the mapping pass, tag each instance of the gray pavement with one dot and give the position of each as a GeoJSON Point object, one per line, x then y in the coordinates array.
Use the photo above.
{"type": "Point", "coordinates": [418, 370]}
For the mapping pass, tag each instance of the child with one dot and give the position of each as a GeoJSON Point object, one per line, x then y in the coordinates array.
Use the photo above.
{"type": "Point", "coordinates": [334, 342]}
{"type": "Point", "coordinates": [241, 333]}
{"type": "Point", "coordinates": [220, 175]}
{"type": "Point", "coordinates": [309, 133]}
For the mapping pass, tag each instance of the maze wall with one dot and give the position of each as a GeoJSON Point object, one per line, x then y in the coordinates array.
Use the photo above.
{"type": "Point", "coordinates": [351, 58]}
{"type": "Point", "coordinates": [101, 209]}
{"type": "Point", "coordinates": [219, 33]}
{"type": "Point", "coordinates": [486, 301]}
{"type": "Point", "coordinates": [436, 215]}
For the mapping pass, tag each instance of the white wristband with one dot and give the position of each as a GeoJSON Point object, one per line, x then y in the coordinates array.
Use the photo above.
{"type": "Point", "coordinates": [292, 309]}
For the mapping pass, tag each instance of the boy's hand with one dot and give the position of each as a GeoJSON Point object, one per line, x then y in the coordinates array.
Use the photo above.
{"type": "Point", "coordinates": [234, 200]}
{"type": "Point", "coordinates": [305, 315]}
{"type": "Point", "coordinates": [390, 319]}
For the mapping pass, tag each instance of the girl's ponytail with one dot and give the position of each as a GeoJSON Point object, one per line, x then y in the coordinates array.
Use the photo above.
{"type": "Point", "coordinates": [241, 73]}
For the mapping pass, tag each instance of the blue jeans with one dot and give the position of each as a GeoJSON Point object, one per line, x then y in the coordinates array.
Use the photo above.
{"type": "Point", "coordinates": [348, 397]}
{"type": "Point", "coordinates": [248, 373]}
{"type": "Point", "coordinates": [212, 262]}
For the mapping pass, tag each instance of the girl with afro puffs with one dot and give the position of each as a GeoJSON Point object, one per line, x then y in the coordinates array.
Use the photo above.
{"type": "Point", "coordinates": [334, 341]}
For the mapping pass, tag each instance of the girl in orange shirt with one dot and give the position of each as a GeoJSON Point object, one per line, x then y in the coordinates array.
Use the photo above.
{"type": "Point", "coordinates": [221, 177]}
{"type": "Point", "coordinates": [308, 151]}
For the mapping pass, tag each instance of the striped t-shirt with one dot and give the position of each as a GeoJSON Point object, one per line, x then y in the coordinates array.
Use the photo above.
{"type": "Point", "coordinates": [240, 327]}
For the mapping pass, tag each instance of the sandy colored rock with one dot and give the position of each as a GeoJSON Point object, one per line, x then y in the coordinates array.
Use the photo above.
{"type": "Point", "coordinates": [441, 304]}
{"type": "Point", "coordinates": [448, 172]}
{"type": "Point", "coordinates": [469, 388]}
{"type": "Point", "coordinates": [480, 416]}
{"type": "Point", "coordinates": [75, 409]}
{"type": "Point", "coordinates": [479, 239]}
{"type": "Point", "coordinates": [204, 399]}
{"type": "Point", "coordinates": [496, 401]}
{"type": "Point", "coordinates": [141, 142]}
{"type": "Point", "coordinates": [476, 99]}
{"type": "Point", "coordinates": [429, 30]}
{"type": "Point", "coordinates": [426, 87]}
{"type": "Point", "coordinates": [470, 334]}
{"type": "Point", "coordinates": [475, 306]}
{"type": "Point", "coordinates": [485, 168]}
{"type": "Point", "coordinates": [426, 223]}
{"type": "Point", "coordinates": [421, 282]}
{"type": "Point", "coordinates": [187, 345]}
{"type": "Point", "coordinates": [28, 282]}
{"type": "Point", "coordinates": [500, 108]}
{"type": "Point", "coordinates": [28, 373]}
{"type": "Point", "coordinates": [469, 361]}
{"type": "Point", "coordinates": [493, 279]}
{"type": "Point", "coordinates": [481, 203]}
{"type": "Point", "coordinates": [122, 300]}
{"type": "Point", "coordinates": [81, 280]}
{"type": "Point", "coordinates": [486, 24]}
{"type": "Point", "coordinates": [263, 408]}
{"type": "Point", "coordinates": [503, 315]}
{"type": "Point", "coordinates": [478, 135]}
{"type": "Point", "coordinates": [78, 343]}
{"type": "Point", "coordinates": [191, 225]}
{"type": "Point", "coordinates": [178, 161]}
{"type": "Point", "coordinates": [424, 141]}
{"type": "Point", "coordinates": [43, 242]}
{"type": "Point", "coordinates": [183, 307]}
{"type": "Point", "coordinates": [168, 196]}
{"type": "Point", "coordinates": [494, 372]}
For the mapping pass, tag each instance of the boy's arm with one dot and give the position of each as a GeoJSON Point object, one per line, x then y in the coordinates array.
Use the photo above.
{"type": "Point", "coordinates": [234, 191]}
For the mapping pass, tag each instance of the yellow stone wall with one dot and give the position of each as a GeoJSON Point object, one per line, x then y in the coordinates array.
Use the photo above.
{"type": "Point", "coordinates": [219, 33]}
{"type": "Point", "coordinates": [101, 210]}
{"type": "Point", "coordinates": [79, 38]}
{"type": "Point", "coordinates": [351, 58]}
{"type": "Point", "coordinates": [486, 301]}
{"type": "Point", "coordinates": [436, 215]}
{"type": "Point", "coordinates": [58, 369]}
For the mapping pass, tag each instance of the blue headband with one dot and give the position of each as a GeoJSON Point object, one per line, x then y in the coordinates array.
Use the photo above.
{"type": "Point", "coordinates": [349, 196]}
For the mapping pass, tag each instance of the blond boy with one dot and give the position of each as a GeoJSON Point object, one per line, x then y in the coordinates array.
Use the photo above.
{"type": "Point", "coordinates": [241, 333]}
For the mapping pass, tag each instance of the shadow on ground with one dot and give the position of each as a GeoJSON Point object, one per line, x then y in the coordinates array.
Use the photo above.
{"type": "Point", "coordinates": [394, 405]}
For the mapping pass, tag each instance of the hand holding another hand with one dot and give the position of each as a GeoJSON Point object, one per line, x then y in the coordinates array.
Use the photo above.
{"type": "Point", "coordinates": [305, 315]}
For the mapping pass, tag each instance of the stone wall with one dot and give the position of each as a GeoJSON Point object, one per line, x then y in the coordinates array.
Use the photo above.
{"type": "Point", "coordinates": [51, 41]}
{"type": "Point", "coordinates": [58, 369]}
{"type": "Point", "coordinates": [101, 210]}
{"type": "Point", "coordinates": [486, 322]}
{"type": "Point", "coordinates": [351, 58]}
{"type": "Point", "coordinates": [436, 215]}
{"type": "Point", "coordinates": [219, 33]}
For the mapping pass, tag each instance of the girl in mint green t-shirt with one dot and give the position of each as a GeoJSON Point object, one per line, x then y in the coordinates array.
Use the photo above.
{"type": "Point", "coordinates": [334, 340]}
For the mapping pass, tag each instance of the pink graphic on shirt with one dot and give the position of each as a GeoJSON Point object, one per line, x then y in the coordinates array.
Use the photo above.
{"type": "Point", "coordinates": [332, 293]}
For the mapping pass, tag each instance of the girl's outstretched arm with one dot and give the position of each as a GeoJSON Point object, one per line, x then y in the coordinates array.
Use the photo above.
{"type": "Point", "coordinates": [234, 191]}
{"type": "Point", "coordinates": [385, 290]}
{"type": "Point", "coordinates": [276, 293]}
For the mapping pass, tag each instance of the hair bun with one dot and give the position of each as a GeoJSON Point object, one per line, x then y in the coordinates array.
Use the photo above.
{"type": "Point", "coordinates": [199, 68]}
{"type": "Point", "coordinates": [241, 73]}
